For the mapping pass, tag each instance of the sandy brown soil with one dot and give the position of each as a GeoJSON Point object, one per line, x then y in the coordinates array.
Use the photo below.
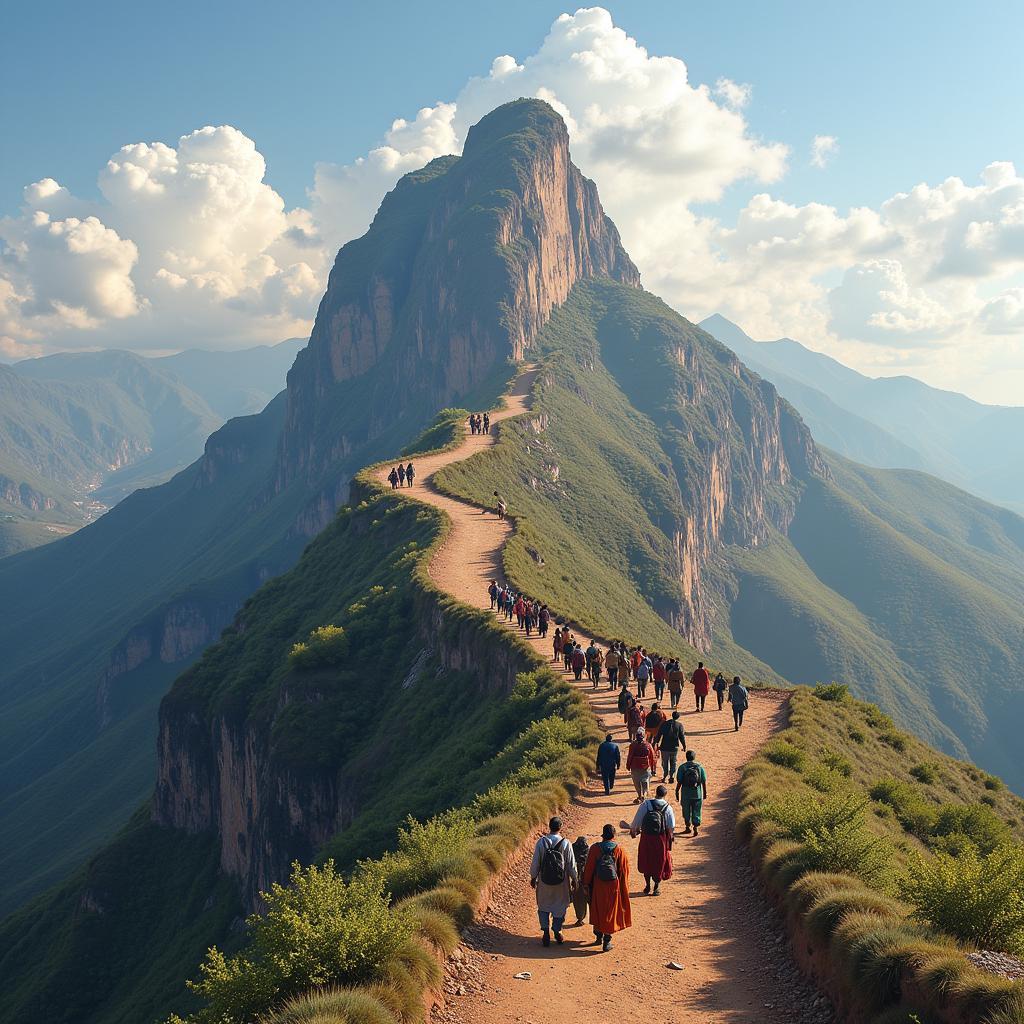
{"type": "Point", "coordinates": [710, 917]}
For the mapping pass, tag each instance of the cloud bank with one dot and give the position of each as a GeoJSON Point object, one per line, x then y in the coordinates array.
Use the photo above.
{"type": "Point", "coordinates": [190, 245]}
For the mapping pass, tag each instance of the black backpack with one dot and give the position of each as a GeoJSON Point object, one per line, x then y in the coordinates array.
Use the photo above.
{"type": "Point", "coordinates": [606, 868]}
{"type": "Point", "coordinates": [552, 862]}
{"type": "Point", "coordinates": [689, 775]}
{"type": "Point", "coordinates": [654, 823]}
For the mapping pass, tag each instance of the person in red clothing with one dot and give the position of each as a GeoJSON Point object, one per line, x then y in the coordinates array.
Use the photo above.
{"type": "Point", "coordinates": [606, 879]}
{"type": "Point", "coordinates": [701, 684]}
{"type": "Point", "coordinates": [635, 719]}
{"type": "Point", "coordinates": [659, 673]}
{"type": "Point", "coordinates": [578, 662]}
{"type": "Point", "coordinates": [641, 762]}
{"type": "Point", "coordinates": [520, 609]}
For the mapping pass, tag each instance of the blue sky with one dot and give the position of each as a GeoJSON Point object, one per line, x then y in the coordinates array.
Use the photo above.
{"type": "Point", "coordinates": [902, 253]}
{"type": "Point", "coordinates": [914, 91]}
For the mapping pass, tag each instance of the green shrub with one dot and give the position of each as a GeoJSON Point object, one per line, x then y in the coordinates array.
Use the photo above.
{"type": "Point", "coordinates": [784, 754]}
{"type": "Point", "coordinates": [835, 761]}
{"type": "Point", "coordinates": [427, 852]}
{"type": "Point", "coordinates": [914, 813]}
{"type": "Point", "coordinates": [326, 645]}
{"type": "Point", "coordinates": [989, 801]}
{"type": "Point", "coordinates": [992, 783]}
{"type": "Point", "coordinates": [504, 798]}
{"type": "Point", "coordinates": [317, 931]}
{"type": "Point", "coordinates": [924, 772]}
{"type": "Point", "coordinates": [338, 1007]}
{"type": "Point", "coordinates": [823, 778]}
{"type": "Point", "coordinates": [857, 735]}
{"type": "Point", "coordinates": [893, 738]}
{"type": "Point", "coordinates": [877, 718]}
{"type": "Point", "coordinates": [979, 823]}
{"type": "Point", "coordinates": [831, 833]}
{"type": "Point", "coordinates": [832, 691]}
{"type": "Point", "coordinates": [976, 897]}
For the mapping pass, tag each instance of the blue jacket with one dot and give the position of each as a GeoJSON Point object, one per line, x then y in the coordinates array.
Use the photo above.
{"type": "Point", "coordinates": [608, 755]}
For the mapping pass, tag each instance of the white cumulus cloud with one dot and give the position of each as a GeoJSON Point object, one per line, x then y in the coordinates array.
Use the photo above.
{"type": "Point", "coordinates": [823, 149]}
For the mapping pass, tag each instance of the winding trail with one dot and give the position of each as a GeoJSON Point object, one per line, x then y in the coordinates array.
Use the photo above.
{"type": "Point", "coordinates": [710, 916]}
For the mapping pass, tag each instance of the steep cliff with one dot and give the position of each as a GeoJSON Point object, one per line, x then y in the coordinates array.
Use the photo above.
{"type": "Point", "coordinates": [458, 272]}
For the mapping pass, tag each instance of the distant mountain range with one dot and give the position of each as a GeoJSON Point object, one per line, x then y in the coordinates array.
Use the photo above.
{"type": "Point", "coordinates": [79, 431]}
{"type": "Point", "coordinates": [892, 422]}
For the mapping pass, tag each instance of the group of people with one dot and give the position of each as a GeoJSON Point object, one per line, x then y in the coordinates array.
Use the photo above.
{"type": "Point", "coordinates": [479, 423]}
{"type": "Point", "coordinates": [530, 614]}
{"type": "Point", "coordinates": [402, 475]}
{"type": "Point", "coordinates": [595, 878]}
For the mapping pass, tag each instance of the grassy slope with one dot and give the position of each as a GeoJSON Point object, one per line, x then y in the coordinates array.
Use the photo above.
{"type": "Point", "coordinates": [591, 539]}
{"type": "Point", "coordinates": [923, 799]}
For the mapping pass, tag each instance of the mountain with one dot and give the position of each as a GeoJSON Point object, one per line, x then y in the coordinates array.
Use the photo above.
{"type": "Point", "coordinates": [80, 431]}
{"type": "Point", "coordinates": [892, 422]}
{"type": "Point", "coordinates": [459, 270]}
{"type": "Point", "coordinates": [663, 492]}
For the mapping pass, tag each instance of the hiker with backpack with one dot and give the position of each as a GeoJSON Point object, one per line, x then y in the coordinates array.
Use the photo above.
{"type": "Point", "coordinates": [739, 698]}
{"type": "Point", "coordinates": [553, 874]}
{"type": "Point", "coordinates": [701, 684]}
{"type": "Point", "coordinates": [641, 762]}
{"type": "Point", "coordinates": [625, 699]}
{"type": "Point", "coordinates": [393, 477]}
{"type": "Point", "coordinates": [596, 661]}
{"type": "Point", "coordinates": [543, 621]}
{"type": "Point", "coordinates": [653, 722]}
{"type": "Point", "coordinates": [655, 823]}
{"type": "Point", "coordinates": [580, 852]}
{"type": "Point", "coordinates": [642, 674]}
{"type": "Point", "coordinates": [692, 791]}
{"type": "Point", "coordinates": [720, 686]}
{"type": "Point", "coordinates": [487, 423]}
{"type": "Point", "coordinates": [609, 759]}
{"type": "Point", "coordinates": [606, 879]}
{"type": "Point", "coordinates": [556, 645]}
{"type": "Point", "coordinates": [410, 473]}
{"type": "Point", "coordinates": [670, 737]}
{"type": "Point", "coordinates": [578, 662]}
{"type": "Point", "coordinates": [492, 592]}
{"type": "Point", "coordinates": [401, 475]}
{"type": "Point", "coordinates": [658, 674]}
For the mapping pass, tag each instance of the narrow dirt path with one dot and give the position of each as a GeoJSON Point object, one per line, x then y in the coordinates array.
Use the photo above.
{"type": "Point", "coordinates": [710, 917]}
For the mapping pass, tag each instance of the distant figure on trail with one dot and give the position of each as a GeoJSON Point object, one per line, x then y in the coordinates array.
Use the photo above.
{"type": "Point", "coordinates": [658, 673]}
{"type": "Point", "coordinates": [641, 762]}
{"type": "Point", "coordinates": [553, 874]}
{"type": "Point", "coordinates": [609, 760]}
{"type": "Point", "coordinates": [401, 475]}
{"type": "Point", "coordinates": [578, 662]}
{"type": "Point", "coordinates": [642, 673]}
{"type": "Point", "coordinates": [580, 851]}
{"type": "Point", "coordinates": [410, 472]}
{"type": "Point", "coordinates": [393, 477]}
{"type": "Point", "coordinates": [606, 878]}
{"type": "Point", "coordinates": [623, 665]}
{"type": "Point", "coordinates": [676, 678]}
{"type": "Point", "coordinates": [701, 684]}
{"type": "Point", "coordinates": [487, 423]}
{"type": "Point", "coordinates": [655, 823]}
{"type": "Point", "coordinates": [739, 698]}
{"type": "Point", "coordinates": [568, 647]}
{"type": "Point", "coordinates": [671, 736]}
{"type": "Point", "coordinates": [692, 791]}
{"type": "Point", "coordinates": [720, 686]}
{"type": "Point", "coordinates": [472, 423]}
{"type": "Point", "coordinates": [492, 592]}
{"type": "Point", "coordinates": [556, 644]}
{"type": "Point", "coordinates": [625, 698]}
{"type": "Point", "coordinates": [543, 620]}
{"type": "Point", "coordinates": [502, 508]}
{"type": "Point", "coordinates": [611, 664]}
{"type": "Point", "coordinates": [635, 719]}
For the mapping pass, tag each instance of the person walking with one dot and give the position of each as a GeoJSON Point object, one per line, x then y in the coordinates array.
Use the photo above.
{"type": "Point", "coordinates": [596, 663]}
{"type": "Point", "coordinates": [642, 674]}
{"type": "Point", "coordinates": [609, 760]}
{"type": "Point", "coordinates": [401, 475]}
{"type": "Point", "coordinates": [611, 664]}
{"type": "Point", "coordinates": [625, 699]}
{"type": "Point", "coordinates": [692, 791]}
{"type": "Point", "coordinates": [472, 423]}
{"type": "Point", "coordinates": [410, 472]}
{"type": "Point", "coordinates": [487, 423]}
{"type": "Point", "coordinates": [658, 673]}
{"type": "Point", "coordinates": [529, 618]}
{"type": "Point", "coordinates": [739, 698]}
{"type": "Point", "coordinates": [393, 477]}
{"type": "Point", "coordinates": [520, 609]}
{"type": "Point", "coordinates": [590, 653]}
{"type": "Point", "coordinates": [720, 686]}
{"type": "Point", "coordinates": [655, 823]}
{"type": "Point", "coordinates": [653, 721]}
{"type": "Point", "coordinates": [623, 664]}
{"type": "Point", "coordinates": [701, 684]}
{"type": "Point", "coordinates": [635, 720]}
{"type": "Point", "coordinates": [641, 762]}
{"type": "Point", "coordinates": [543, 621]}
{"type": "Point", "coordinates": [492, 593]}
{"type": "Point", "coordinates": [606, 878]}
{"type": "Point", "coordinates": [676, 678]}
{"type": "Point", "coordinates": [568, 647]}
{"type": "Point", "coordinates": [552, 874]}
{"type": "Point", "coordinates": [556, 645]}
{"type": "Point", "coordinates": [501, 508]}
{"type": "Point", "coordinates": [671, 736]}
{"type": "Point", "coordinates": [580, 851]}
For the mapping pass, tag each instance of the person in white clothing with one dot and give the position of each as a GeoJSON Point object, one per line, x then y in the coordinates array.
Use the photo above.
{"type": "Point", "coordinates": [655, 823]}
{"type": "Point", "coordinates": [553, 874]}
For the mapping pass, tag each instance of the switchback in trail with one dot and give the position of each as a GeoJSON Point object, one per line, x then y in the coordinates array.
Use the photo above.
{"type": "Point", "coordinates": [710, 917]}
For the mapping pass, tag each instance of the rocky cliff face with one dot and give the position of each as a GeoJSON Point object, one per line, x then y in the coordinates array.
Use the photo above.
{"type": "Point", "coordinates": [460, 269]}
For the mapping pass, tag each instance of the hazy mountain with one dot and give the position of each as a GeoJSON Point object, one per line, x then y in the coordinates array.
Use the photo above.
{"type": "Point", "coordinates": [665, 492]}
{"type": "Point", "coordinates": [893, 422]}
{"type": "Point", "coordinates": [79, 431]}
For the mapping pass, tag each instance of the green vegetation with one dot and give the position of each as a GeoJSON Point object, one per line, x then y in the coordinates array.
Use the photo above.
{"type": "Point", "coordinates": [889, 871]}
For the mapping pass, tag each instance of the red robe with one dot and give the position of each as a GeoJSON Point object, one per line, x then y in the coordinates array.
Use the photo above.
{"type": "Point", "coordinates": [609, 901]}
{"type": "Point", "coordinates": [701, 682]}
{"type": "Point", "coordinates": [654, 856]}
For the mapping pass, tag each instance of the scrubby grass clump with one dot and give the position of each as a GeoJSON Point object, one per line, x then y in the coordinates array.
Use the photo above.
{"type": "Point", "coordinates": [894, 896]}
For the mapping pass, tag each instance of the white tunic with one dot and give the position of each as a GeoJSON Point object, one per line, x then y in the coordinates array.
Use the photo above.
{"type": "Point", "coordinates": [554, 899]}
